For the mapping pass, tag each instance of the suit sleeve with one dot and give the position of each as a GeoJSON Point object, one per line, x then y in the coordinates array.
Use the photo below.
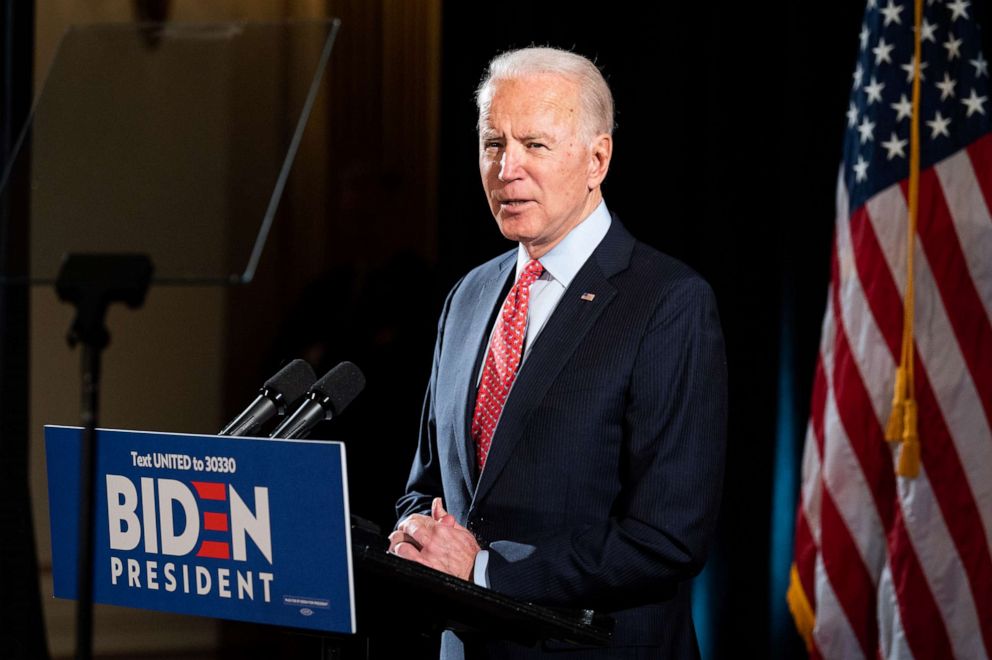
{"type": "Point", "coordinates": [674, 443]}
{"type": "Point", "coordinates": [424, 482]}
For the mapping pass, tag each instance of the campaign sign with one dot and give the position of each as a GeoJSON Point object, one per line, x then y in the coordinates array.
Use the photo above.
{"type": "Point", "coordinates": [249, 529]}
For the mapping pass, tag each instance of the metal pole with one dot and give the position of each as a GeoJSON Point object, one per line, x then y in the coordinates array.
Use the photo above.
{"type": "Point", "coordinates": [90, 371]}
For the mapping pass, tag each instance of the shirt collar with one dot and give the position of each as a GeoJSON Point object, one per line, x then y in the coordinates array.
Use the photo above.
{"type": "Point", "coordinates": [563, 261]}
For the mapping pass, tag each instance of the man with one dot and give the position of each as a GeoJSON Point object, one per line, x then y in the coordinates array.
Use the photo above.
{"type": "Point", "coordinates": [574, 424]}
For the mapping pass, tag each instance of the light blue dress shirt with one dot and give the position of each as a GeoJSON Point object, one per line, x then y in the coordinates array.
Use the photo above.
{"type": "Point", "coordinates": [561, 264]}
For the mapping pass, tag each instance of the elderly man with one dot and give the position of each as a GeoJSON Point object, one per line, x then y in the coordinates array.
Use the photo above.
{"type": "Point", "coordinates": [572, 439]}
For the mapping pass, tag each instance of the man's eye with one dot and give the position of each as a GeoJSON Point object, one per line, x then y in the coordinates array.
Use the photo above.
{"type": "Point", "coordinates": [492, 144]}
{"type": "Point", "coordinates": [537, 145]}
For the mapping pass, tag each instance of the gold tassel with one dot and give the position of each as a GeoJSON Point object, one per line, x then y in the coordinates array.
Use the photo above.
{"type": "Point", "coordinates": [894, 429]}
{"type": "Point", "coordinates": [903, 426]}
{"type": "Point", "coordinates": [802, 613]}
{"type": "Point", "coordinates": [909, 453]}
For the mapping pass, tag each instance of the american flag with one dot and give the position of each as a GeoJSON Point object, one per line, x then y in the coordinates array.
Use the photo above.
{"type": "Point", "coordinates": [886, 565]}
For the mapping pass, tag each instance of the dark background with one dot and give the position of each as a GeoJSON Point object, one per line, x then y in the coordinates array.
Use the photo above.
{"type": "Point", "coordinates": [729, 125]}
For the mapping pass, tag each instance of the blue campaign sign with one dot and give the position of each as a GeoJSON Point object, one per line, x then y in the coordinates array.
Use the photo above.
{"type": "Point", "coordinates": [250, 529]}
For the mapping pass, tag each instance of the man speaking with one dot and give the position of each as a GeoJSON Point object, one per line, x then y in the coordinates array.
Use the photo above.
{"type": "Point", "coordinates": [572, 437]}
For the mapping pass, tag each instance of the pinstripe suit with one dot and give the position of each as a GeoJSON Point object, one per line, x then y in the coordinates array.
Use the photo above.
{"type": "Point", "coordinates": [602, 484]}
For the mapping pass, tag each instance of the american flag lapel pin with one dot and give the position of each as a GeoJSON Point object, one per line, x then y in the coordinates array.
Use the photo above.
{"type": "Point", "coordinates": [588, 297]}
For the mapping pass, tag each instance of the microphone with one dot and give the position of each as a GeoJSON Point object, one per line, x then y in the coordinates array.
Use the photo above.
{"type": "Point", "coordinates": [279, 392]}
{"type": "Point", "coordinates": [328, 398]}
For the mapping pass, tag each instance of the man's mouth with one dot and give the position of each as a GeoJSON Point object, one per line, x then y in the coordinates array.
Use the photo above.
{"type": "Point", "coordinates": [514, 202]}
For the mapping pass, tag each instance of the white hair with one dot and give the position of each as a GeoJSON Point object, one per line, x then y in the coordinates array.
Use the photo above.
{"type": "Point", "coordinates": [594, 94]}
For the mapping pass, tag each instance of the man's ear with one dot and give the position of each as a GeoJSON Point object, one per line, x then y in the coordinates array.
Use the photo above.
{"type": "Point", "coordinates": [599, 159]}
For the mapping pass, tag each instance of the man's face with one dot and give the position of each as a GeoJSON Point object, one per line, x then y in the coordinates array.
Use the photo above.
{"type": "Point", "coordinates": [540, 172]}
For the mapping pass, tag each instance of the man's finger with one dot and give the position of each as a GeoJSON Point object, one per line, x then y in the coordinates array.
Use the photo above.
{"type": "Point", "coordinates": [439, 514]}
{"type": "Point", "coordinates": [419, 531]}
{"type": "Point", "coordinates": [401, 537]}
{"type": "Point", "coordinates": [407, 551]}
{"type": "Point", "coordinates": [414, 521]}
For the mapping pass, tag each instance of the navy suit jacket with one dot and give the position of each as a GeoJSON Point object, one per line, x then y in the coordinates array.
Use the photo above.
{"type": "Point", "coordinates": [604, 476]}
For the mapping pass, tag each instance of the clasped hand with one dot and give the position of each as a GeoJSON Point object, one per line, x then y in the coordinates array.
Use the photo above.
{"type": "Point", "coordinates": [436, 541]}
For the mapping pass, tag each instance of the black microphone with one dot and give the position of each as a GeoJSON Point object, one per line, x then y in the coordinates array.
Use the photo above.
{"type": "Point", "coordinates": [278, 393]}
{"type": "Point", "coordinates": [328, 398]}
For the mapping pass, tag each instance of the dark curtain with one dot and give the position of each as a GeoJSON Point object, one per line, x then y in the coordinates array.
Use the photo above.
{"type": "Point", "coordinates": [22, 633]}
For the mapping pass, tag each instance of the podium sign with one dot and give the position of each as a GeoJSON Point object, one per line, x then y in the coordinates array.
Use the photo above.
{"type": "Point", "coordinates": [248, 529]}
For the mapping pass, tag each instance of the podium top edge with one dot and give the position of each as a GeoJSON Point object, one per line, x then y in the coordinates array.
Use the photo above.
{"type": "Point", "coordinates": [202, 435]}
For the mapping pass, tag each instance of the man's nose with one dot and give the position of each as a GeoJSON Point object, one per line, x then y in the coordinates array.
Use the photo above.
{"type": "Point", "coordinates": [509, 164]}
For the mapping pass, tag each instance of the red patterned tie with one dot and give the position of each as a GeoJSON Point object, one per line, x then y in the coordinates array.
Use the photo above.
{"type": "Point", "coordinates": [502, 361]}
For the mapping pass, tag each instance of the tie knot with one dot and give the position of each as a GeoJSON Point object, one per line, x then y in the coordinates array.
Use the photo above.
{"type": "Point", "coordinates": [532, 271]}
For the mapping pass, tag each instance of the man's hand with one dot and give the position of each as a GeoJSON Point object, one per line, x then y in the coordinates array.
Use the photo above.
{"type": "Point", "coordinates": [436, 541]}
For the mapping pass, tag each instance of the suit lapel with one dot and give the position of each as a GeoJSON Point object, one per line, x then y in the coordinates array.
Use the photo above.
{"type": "Point", "coordinates": [472, 344]}
{"type": "Point", "coordinates": [571, 321]}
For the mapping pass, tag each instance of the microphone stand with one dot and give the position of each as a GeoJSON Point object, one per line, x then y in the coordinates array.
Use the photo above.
{"type": "Point", "coordinates": [91, 282]}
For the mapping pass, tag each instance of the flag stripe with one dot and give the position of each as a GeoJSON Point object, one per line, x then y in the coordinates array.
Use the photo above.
{"type": "Point", "coordinates": [214, 550]}
{"type": "Point", "coordinates": [810, 565]}
{"type": "Point", "coordinates": [884, 299]}
{"type": "Point", "coordinates": [923, 625]}
{"type": "Point", "coordinates": [962, 303]}
{"type": "Point", "coordinates": [891, 636]}
{"type": "Point", "coordinates": [812, 466]}
{"type": "Point", "coordinates": [833, 635]}
{"type": "Point", "coordinates": [875, 364]}
{"type": "Point", "coordinates": [961, 575]}
{"type": "Point", "coordinates": [980, 155]}
{"type": "Point", "coordinates": [859, 419]}
{"type": "Point", "coordinates": [811, 491]}
{"type": "Point", "coordinates": [849, 578]}
{"type": "Point", "coordinates": [845, 481]}
{"type": "Point", "coordinates": [806, 551]}
{"type": "Point", "coordinates": [971, 217]}
{"type": "Point", "coordinates": [209, 490]}
{"type": "Point", "coordinates": [819, 401]}
{"type": "Point", "coordinates": [216, 522]}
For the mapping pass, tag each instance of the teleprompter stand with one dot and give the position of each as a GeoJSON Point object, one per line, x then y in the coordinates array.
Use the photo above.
{"type": "Point", "coordinates": [91, 282]}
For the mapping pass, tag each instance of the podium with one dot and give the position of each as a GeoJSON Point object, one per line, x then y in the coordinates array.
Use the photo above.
{"type": "Point", "coordinates": [259, 530]}
{"type": "Point", "coordinates": [446, 602]}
